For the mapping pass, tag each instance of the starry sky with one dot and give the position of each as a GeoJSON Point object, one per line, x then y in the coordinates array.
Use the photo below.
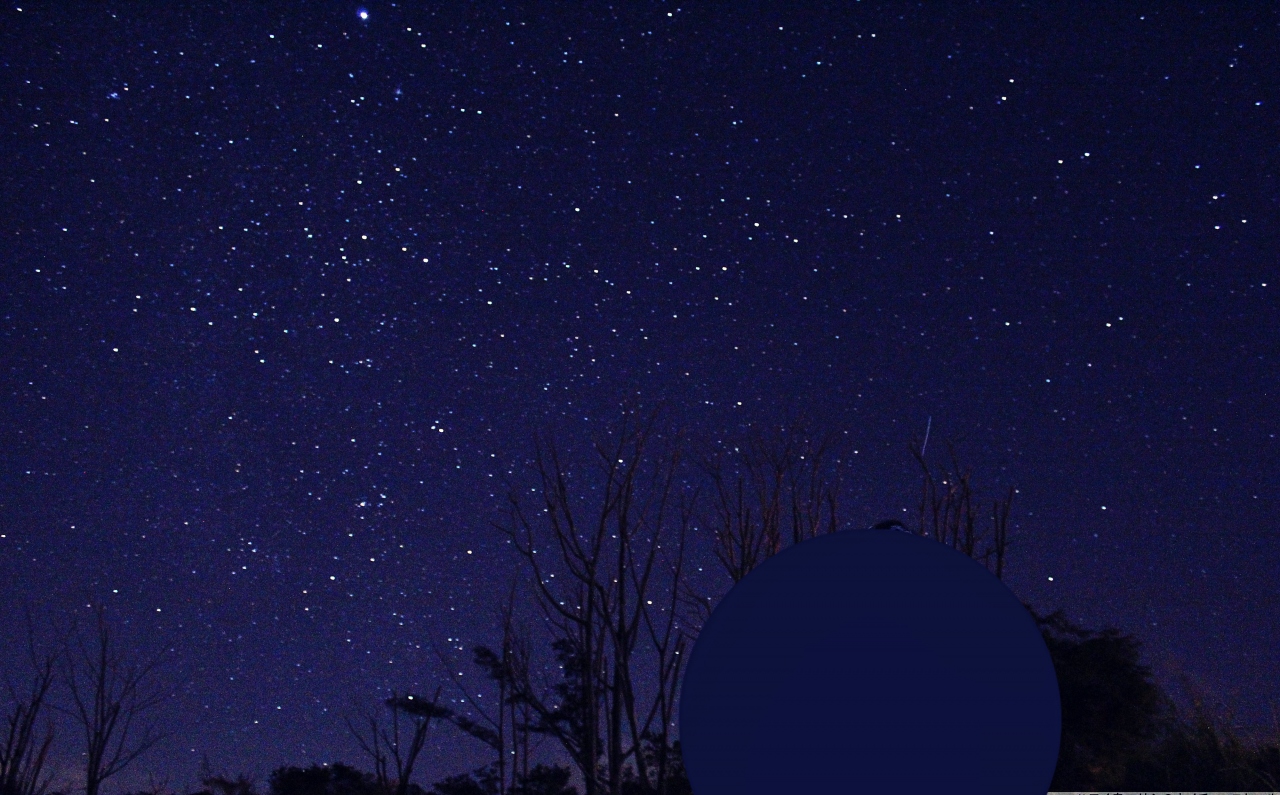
{"type": "Point", "coordinates": [287, 291]}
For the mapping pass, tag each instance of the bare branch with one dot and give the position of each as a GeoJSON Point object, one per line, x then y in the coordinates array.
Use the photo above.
{"type": "Point", "coordinates": [597, 602]}
{"type": "Point", "coordinates": [24, 751]}
{"type": "Point", "coordinates": [107, 704]}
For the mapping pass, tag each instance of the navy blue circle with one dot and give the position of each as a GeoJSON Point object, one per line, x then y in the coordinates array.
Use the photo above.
{"type": "Point", "coordinates": [870, 661]}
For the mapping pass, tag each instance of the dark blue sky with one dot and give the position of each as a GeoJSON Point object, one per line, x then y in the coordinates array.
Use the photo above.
{"type": "Point", "coordinates": [285, 294]}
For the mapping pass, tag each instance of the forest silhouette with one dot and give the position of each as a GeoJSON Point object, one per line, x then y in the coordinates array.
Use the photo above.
{"type": "Point", "coordinates": [1120, 731]}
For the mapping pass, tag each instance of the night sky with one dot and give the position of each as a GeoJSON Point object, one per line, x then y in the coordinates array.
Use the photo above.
{"type": "Point", "coordinates": [287, 292]}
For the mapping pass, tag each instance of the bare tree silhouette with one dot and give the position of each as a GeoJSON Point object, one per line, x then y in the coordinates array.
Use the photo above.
{"type": "Point", "coordinates": [24, 750]}
{"type": "Point", "coordinates": [766, 485]}
{"type": "Point", "coordinates": [597, 618]}
{"type": "Point", "coordinates": [387, 746]}
{"type": "Point", "coordinates": [1117, 726]}
{"type": "Point", "coordinates": [110, 695]}
{"type": "Point", "coordinates": [502, 669]}
{"type": "Point", "coordinates": [948, 514]}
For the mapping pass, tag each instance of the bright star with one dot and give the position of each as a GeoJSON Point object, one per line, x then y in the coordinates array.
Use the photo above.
{"type": "Point", "coordinates": [363, 13]}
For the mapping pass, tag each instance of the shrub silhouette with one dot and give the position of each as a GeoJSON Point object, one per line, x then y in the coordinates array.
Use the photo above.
{"type": "Point", "coordinates": [1192, 754]}
{"type": "Point", "coordinates": [542, 780]}
{"type": "Point", "coordinates": [677, 779]}
{"type": "Point", "coordinates": [1111, 710]}
{"type": "Point", "coordinates": [337, 779]}
{"type": "Point", "coordinates": [1121, 732]}
{"type": "Point", "coordinates": [222, 785]}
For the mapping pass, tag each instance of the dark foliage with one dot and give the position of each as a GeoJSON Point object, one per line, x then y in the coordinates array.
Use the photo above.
{"type": "Point", "coordinates": [223, 785]}
{"type": "Point", "coordinates": [542, 780]}
{"type": "Point", "coordinates": [1120, 732]}
{"type": "Point", "coordinates": [677, 779]}
{"type": "Point", "coordinates": [338, 779]}
{"type": "Point", "coordinates": [1194, 755]}
{"type": "Point", "coordinates": [1111, 710]}
{"type": "Point", "coordinates": [463, 784]}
